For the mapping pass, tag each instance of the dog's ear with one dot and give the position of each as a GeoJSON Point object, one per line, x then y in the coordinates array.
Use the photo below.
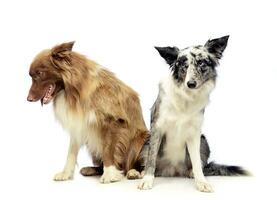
{"type": "Point", "coordinates": [62, 51]}
{"type": "Point", "coordinates": [217, 46]}
{"type": "Point", "coordinates": [170, 54]}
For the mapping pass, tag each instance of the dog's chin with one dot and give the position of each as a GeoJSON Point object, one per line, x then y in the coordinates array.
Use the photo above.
{"type": "Point", "coordinates": [48, 95]}
{"type": "Point", "coordinates": [194, 89]}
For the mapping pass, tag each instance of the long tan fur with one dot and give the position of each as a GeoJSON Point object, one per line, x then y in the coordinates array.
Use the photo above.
{"type": "Point", "coordinates": [106, 111]}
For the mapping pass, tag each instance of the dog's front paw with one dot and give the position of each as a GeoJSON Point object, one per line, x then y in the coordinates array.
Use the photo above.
{"type": "Point", "coordinates": [63, 176]}
{"type": "Point", "coordinates": [146, 183]}
{"type": "Point", "coordinates": [111, 174]}
{"type": "Point", "coordinates": [204, 187]}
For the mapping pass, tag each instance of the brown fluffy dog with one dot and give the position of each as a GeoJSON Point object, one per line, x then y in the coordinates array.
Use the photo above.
{"type": "Point", "coordinates": [96, 108]}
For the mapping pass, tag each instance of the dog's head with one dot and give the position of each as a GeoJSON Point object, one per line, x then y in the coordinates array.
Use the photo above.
{"type": "Point", "coordinates": [193, 66]}
{"type": "Point", "coordinates": [45, 72]}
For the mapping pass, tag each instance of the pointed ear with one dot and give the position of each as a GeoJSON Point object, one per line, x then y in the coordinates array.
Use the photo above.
{"type": "Point", "coordinates": [170, 54]}
{"type": "Point", "coordinates": [217, 46]}
{"type": "Point", "coordinates": [62, 50]}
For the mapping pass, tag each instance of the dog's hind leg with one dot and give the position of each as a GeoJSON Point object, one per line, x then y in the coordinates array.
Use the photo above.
{"type": "Point", "coordinates": [91, 171]}
{"type": "Point", "coordinates": [138, 172]}
{"type": "Point", "coordinates": [95, 170]}
{"type": "Point", "coordinates": [133, 174]}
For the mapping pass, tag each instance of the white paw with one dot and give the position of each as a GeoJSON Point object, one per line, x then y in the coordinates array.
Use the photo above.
{"type": "Point", "coordinates": [63, 176]}
{"type": "Point", "coordinates": [146, 183]}
{"type": "Point", "coordinates": [204, 187]}
{"type": "Point", "coordinates": [111, 174]}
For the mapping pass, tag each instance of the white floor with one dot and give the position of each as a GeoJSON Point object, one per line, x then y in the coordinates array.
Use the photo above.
{"type": "Point", "coordinates": [42, 187]}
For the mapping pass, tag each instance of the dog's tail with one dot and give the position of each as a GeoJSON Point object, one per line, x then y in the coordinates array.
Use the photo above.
{"type": "Point", "coordinates": [213, 169]}
{"type": "Point", "coordinates": [135, 148]}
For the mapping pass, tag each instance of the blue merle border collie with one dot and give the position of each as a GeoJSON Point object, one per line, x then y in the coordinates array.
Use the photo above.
{"type": "Point", "coordinates": [176, 146]}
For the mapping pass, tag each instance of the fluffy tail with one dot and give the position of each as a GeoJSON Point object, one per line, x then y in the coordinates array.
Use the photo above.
{"type": "Point", "coordinates": [135, 148]}
{"type": "Point", "coordinates": [213, 169]}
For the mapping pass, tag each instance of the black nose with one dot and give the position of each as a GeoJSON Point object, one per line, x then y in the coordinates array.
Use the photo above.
{"type": "Point", "coordinates": [191, 84]}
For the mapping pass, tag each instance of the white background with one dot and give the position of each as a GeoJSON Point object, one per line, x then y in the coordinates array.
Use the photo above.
{"type": "Point", "coordinates": [240, 122]}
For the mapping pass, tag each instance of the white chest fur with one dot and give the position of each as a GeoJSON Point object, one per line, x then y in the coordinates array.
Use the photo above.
{"type": "Point", "coordinates": [79, 125]}
{"type": "Point", "coordinates": [180, 116]}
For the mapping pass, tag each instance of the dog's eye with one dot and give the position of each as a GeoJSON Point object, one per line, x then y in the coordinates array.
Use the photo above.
{"type": "Point", "coordinates": [201, 63]}
{"type": "Point", "coordinates": [203, 68]}
{"type": "Point", "coordinates": [39, 73]}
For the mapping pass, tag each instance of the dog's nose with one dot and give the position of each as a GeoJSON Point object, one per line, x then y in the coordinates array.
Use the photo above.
{"type": "Point", "coordinates": [191, 84]}
{"type": "Point", "coordinates": [30, 98]}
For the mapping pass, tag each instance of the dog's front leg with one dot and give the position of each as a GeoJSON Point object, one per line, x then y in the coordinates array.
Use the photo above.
{"type": "Point", "coordinates": [69, 167]}
{"type": "Point", "coordinates": [150, 167]}
{"type": "Point", "coordinates": [193, 145]}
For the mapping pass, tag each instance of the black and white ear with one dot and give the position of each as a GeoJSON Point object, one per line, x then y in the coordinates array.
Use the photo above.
{"type": "Point", "coordinates": [217, 46]}
{"type": "Point", "coordinates": [170, 54]}
{"type": "Point", "coordinates": [62, 50]}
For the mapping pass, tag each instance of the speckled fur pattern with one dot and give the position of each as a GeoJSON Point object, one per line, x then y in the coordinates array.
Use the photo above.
{"type": "Point", "coordinates": [176, 146]}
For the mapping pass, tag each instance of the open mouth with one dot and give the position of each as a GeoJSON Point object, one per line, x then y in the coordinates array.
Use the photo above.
{"type": "Point", "coordinates": [48, 96]}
